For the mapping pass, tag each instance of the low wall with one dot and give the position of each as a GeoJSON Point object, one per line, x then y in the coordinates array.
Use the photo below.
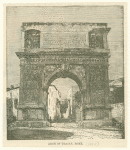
{"type": "Point", "coordinates": [117, 112]}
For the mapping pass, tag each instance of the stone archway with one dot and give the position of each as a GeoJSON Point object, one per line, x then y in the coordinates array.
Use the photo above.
{"type": "Point", "coordinates": [63, 73]}
{"type": "Point", "coordinates": [90, 71]}
{"type": "Point", "coordinates": [77, 52]}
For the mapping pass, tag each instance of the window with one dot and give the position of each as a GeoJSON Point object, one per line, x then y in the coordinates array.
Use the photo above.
{"type": "Point", "coordinates": [96, 40]}
{"type": "Point", "coordinates": [32, 39]}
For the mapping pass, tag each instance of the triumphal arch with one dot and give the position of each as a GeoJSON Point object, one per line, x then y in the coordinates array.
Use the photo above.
{"type": "Point", "coordinates": [75, 50]}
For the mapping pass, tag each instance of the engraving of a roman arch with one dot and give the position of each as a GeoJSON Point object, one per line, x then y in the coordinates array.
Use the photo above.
{"type": "Point", "coordinates": [80, 53]}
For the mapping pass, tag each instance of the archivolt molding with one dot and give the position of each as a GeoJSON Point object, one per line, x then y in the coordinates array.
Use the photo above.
{"type": "Point", "coordinates": [77, 70]}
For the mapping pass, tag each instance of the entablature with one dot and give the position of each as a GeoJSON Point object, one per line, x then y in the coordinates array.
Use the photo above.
{"type": "Point", "coordinates": [63, 57]}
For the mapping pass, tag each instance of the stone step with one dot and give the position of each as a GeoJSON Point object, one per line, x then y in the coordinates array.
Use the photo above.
{"type": "Point", "coordinates": [96, 123]}
{"type": "Point", "coordinates": [65, 125]}
{"type": "Point", "coordinates": [30, 124]}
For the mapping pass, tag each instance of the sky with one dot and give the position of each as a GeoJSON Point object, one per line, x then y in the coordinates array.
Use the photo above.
{"type": "Point", "coordinates": [64, 85]}
{"type": "Point", "coordinates": [112, 15]}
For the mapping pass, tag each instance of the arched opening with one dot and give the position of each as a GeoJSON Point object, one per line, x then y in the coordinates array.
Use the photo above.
{"type": "Point", "coordinates": [64, 98]}
{"type": "Point", "coordinates": [64, 74]}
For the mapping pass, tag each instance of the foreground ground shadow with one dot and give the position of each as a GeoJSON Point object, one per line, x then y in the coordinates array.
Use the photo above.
{"type": "Point", "coordinates": [25, 134]}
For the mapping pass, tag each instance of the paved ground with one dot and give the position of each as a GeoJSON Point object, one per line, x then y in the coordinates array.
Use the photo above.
{"type": "Point", "coordinates": [58, 133]}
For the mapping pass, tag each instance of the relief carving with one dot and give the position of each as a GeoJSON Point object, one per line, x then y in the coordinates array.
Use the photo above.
{"type": "Point", "coordinates": [29, 95]}
{"type": "Point", "coordinates": [31, 83]}
{"type": "Point", "coordinates": [35, 77]}
{"type": "Point", "coordinates": [78, 70]}
{"type": "Point", "coordinates": [97, 78]}
{"type": "Point", "coordinates": [48, 70]}
{"type": "Point", "coordinates": [97, 97]}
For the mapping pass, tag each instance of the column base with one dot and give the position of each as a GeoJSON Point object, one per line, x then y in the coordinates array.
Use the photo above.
{"type": "Point", "coordinates": [32, 124]}
{"type": "Point", "coordinates": [91, 124]}
{"type": "Point", "coordinates": [32, 113]}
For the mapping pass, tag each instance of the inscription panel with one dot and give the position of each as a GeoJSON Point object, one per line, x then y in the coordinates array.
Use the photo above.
{"type": "Point", "coordinates": [66, 40]}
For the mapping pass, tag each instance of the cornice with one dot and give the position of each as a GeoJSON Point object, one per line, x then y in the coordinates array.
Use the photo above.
{"type": "Point", "coordinates": [62, 23]}
{"type": "Point", "coordinates": [63, 27]}
{"type": "Point", "coordinates": [66, 52]}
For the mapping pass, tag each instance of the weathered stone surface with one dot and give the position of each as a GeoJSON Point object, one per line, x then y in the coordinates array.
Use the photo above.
{"type": "Point", "coordinates": [32, 124]}
{"type": "Point", "coordinates": [97, 97]}
{"type": "Point", "coordinates": [97, 77]}
{"type": "Point", "coordinates": [64, 52]}
{"type": "Point", "coordinates": [31, 114]}
{"type": "Point", "coordinates": [37, 79]}
{"type": "Point", "coordinates": [20, 115]}
{"type": "Point", "coordinates": [96, 123]}
{"type": "Point", "coordinates": [67, 35]}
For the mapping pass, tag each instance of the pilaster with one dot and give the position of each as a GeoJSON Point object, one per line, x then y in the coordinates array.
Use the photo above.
{"type": "Point", "coordinates": [86, 92]}
{"type": "Point", "coordinates": [106, 85]}
{"type": "Point", "coordinates": [22, 39]}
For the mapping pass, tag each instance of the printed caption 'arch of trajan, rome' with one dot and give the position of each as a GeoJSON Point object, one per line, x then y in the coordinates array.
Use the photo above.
{"type": "Point", "coordinates": [75, 50]}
